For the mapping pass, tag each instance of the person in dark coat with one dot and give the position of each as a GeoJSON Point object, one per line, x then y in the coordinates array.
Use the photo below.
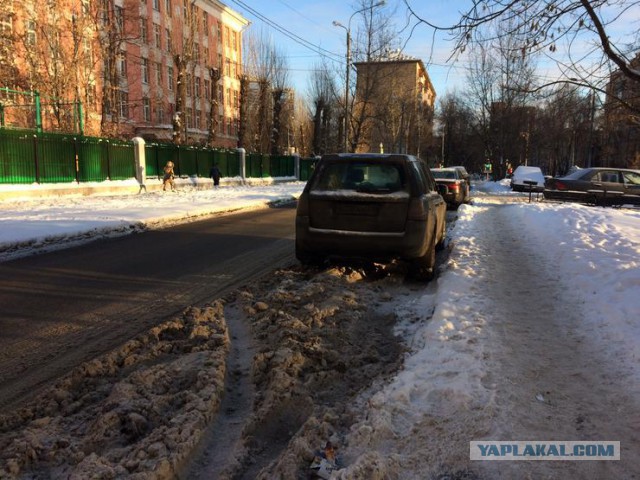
{"type": "Point", "coordinates": [214, 173]}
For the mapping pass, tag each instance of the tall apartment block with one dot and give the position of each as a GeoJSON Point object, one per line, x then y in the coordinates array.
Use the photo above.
{"type": "Point", "coordinates": [138, 67]}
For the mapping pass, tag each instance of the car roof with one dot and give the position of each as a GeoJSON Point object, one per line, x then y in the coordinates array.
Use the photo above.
{"type": "Point", "coordinates": [368, 156]}
{"type": "Point", "coordinates": [599, 169]}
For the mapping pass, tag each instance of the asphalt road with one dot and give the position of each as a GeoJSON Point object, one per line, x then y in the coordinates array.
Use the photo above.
{"type": "Point", "coordinates": [60, 309]}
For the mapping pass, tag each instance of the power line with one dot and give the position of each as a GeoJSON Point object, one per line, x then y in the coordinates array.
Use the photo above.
{"type": "Point", "coordinates": [299, 40]}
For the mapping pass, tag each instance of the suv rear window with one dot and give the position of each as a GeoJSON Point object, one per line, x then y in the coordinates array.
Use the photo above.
{"type": "Point", "coordinates": [362, 176]}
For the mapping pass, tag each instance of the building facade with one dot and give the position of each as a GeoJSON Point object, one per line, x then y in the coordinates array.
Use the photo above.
{"type": "Point", "coordinates": [161, 69]}
{"type": "Point", "coordinates": [622, 120]}
{"type": "Point", "coordinates": [394, 106]}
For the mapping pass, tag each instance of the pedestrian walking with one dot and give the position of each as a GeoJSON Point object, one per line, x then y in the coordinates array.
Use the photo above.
{"type": "Point", "coordinates": [215, 174]}
{"type": "Point", "coordinates": [168, 177]}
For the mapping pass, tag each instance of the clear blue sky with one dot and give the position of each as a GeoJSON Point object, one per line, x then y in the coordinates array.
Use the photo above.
{"type": "Point", "coordinates": [311, 21]}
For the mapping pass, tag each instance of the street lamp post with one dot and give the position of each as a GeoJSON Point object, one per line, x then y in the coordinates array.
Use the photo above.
{"type": "Point", "coordinates": [348, 57]}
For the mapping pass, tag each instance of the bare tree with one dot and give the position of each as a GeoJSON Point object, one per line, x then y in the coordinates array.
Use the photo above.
{"type": "Point", "coordinates": [183, 51]}
{"type": "Point", "coordinates": [267, 71]}
{"type": "Point", "coordinates": [279, 86]}
{"type": "Point", "coordinates": [322, 95]}
{"type": "Point", "coordinates": [562, 30]}
{"type": "Point", "coordinates": [375, 41]}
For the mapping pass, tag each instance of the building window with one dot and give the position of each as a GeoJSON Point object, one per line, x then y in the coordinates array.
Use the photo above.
{"type": "Point", "coordinates": [119, 14]}
{"type": "Point", "coordinates": [197, 123]}
{"type": "Point", "coordinates": [228, 97]}
{"type": "Point", "coordinates": [189, 85]}
{"type": "Point", "coordinates": [158, 113]}
{"type": "Point", "coordinates": [123, 104]}
{"type": "Point", "coordinates": [220, 65]}
{"type": "Point", "coordinates": [227, 36]}
{"type": "Point", "coordinates": [196, 53]}
{"type": "Point", "coordinates": [184, 8]}
{"type": "Point", "coordinates": [227, 67]}
{"type": "Point", "coordinates": [31, 32]}
{"type": "Point", "coordinates": [220, 95]}
{"type": "Point", "coordinates": [206, 55]}
{"type": "Point", "coordinates": [189, 117]}
{"type": "Point", "coordinates": [205, 24]}
{"type": "Point", "coordinates": [219, 25]}
{"type": "Point", "coordinates": [144, 35]}
{"type": "Point", "coordinates": [122, 64]}
{"type": "Point", "coordinates": [159, 74]}
{"type": "Point", "coordinates": [235, 99]}
{"type": "Point", "coordinates": [207, 89]}
{"type": "Point", "coordinates": [170, 77]}
{"type": "Point", "coordinates": [167, 7]}
{"type": "Point", "coordinates": [168, 35]}
{"type": "Point", "coordinates": [156, 5]}
{"type": "Point", "coordinates": [234, 38]}
{"type": "Point", "coordinates": [157, 36]}
{"type": "Point", "coordinates": [146, 109]}
{"type": "Point", "coordinates": [144, 67]}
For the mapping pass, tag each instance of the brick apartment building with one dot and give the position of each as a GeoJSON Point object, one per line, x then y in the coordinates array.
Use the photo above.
{"type": "Point", "coordinates": [394, 106]}
{"type": "Point", "coordinates": [622, 120]}
{"type": "Point", "coordinates": [133, 64]}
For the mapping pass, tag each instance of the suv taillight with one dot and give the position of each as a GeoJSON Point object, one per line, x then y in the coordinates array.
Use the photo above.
{"type": "Point", "coordinates": [416, 210]}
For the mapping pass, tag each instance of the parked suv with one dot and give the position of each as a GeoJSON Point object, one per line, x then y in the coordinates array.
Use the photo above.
{"type": "Point", "coordinates": [374, 207]}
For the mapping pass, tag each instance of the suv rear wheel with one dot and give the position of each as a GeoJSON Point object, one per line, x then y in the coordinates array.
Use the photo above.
{"type": "Point", "coordinates": [307, 258]}
{"type": "Point", "coordinates": [424, 268]}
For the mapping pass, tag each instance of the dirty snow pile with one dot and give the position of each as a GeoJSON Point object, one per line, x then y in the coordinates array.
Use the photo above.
{"type": "Point", "coordinates": [137, 411]}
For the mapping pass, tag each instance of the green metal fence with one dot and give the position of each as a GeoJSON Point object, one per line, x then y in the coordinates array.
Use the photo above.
{"type": "Point", "coordinates": [30, 157]}
{"type": "Point", "coordinates": [27, 157]}
{"type": "Point", "coordinates": [190, 161]}
{"type": "Point", "coordinates": [261, 166]}
{"type": "Point", "coordinates": [307, 165]}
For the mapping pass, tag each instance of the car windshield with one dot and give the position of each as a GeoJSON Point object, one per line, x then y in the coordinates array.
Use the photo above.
{"type": "Point", "coordinates": [447, 174]}
{"type": "Point", "coordinates": [361, 176]}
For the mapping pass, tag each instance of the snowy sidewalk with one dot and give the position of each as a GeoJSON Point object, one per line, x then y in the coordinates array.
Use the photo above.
{"type": "Point", "coordinates": [48, 223]}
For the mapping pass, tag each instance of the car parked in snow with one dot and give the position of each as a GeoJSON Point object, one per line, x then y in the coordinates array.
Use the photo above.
{"type": "Point", "coordinates": [457, 186]}
{"type": "Point", "coordinates": [375, 207]}
{"type": "Point", "coordinates": [463, 172]}
{"type": "Point", "coordinates": [525, 179]}
{"type": "Point", "coordinates": [599, 186]}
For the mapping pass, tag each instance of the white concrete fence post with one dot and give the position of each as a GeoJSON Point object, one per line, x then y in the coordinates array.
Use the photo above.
{"type": "Point", "coordinates": [141, 163]}
{"type": "Point", "coordinates": [243, 163]}
{"type": "Point", "coordinates": [296, 159]}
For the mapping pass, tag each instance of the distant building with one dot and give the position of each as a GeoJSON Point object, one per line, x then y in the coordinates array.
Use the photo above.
{"type": "Point", "coordinates": [622, 120]}
{"type": "Point", "coordinates": [133, 64]}
{"type": "Point", "coordinates": [394, 106]}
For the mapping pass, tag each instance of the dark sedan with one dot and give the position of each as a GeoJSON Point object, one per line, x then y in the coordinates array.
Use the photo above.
{"type": "Point", "coordinates": [457, 187]}
{"type": "Point", "coordinates": [598, 186]}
